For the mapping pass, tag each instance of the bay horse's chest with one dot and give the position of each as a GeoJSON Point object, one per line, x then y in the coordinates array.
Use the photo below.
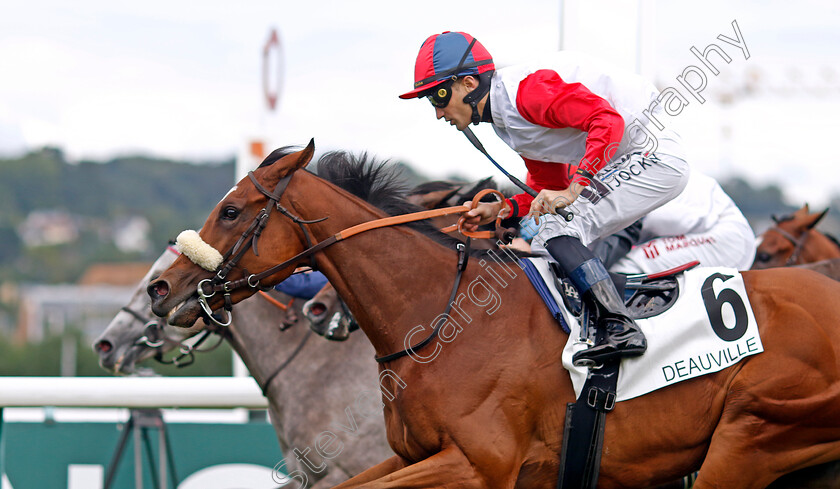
{"type": "Point", "coordinates": [477, 409]}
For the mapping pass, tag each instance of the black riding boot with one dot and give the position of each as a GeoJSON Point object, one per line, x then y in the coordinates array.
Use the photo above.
{"type": "Point", "coordinates": [622, 337]}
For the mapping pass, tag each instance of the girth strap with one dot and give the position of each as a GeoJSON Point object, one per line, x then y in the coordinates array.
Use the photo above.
{"type": "Point", "coordinates": [583, 435]}
{"type": "Point", "coordinates": [463, 257]}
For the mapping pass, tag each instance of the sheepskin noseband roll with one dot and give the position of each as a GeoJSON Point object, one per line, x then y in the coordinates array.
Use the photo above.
{"type": "Point", "coordinates": [202, 254]}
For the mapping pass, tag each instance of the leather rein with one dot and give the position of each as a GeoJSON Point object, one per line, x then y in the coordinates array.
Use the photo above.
{"type": "Point", "coordinates": [207, 288]}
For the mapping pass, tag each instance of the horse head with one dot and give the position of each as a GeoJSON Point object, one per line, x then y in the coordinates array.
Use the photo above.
{"type": "Point", "coordinates": [441, 193]}
{"type": "Point", "coordinates": [227, 249]}
{"type": "Point", "coordinates": [317, 309]}
{"type": "Point", "coordinates": [135, 334]}
{"type": "Point", "coordinates": [794, 240]}
{"type": "Point", "coordinates": [239, 251]}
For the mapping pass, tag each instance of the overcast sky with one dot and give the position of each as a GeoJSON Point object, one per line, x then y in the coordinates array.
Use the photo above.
{"type": "Point", "coordinates": [182, 79]}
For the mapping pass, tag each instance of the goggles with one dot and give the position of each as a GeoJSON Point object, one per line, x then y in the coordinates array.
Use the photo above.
{"type": "Point", "coordinates": [439, 96]}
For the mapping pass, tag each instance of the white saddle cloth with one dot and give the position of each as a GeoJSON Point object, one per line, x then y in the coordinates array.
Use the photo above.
{"type": "Point", "coordinates": [702, 333]}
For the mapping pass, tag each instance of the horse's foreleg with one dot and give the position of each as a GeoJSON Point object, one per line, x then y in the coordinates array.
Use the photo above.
{"type": "Point", "coordinates": [733, 469]}
{"type": "Point", "coordinates": [379, 470]}
{"type": "Point", "coordinates": [449, 468]}
{"type": "Point", "coordinates": [735, 461]}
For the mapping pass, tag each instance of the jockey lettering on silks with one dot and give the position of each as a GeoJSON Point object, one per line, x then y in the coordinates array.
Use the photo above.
{"type": "Point", "coordinates": [565, 111]}
{"type": "Point", "coordinates": [702, 223]}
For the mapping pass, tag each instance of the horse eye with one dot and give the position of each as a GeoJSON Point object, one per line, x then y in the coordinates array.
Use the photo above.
{"type": "Point", "coordinates": [763, 257]}
{"type": "Point", "coordinates": [230, 213]}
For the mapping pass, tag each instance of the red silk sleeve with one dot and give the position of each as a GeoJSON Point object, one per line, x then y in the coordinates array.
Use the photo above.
{"type": "Point", "coordinates": [546, 100]}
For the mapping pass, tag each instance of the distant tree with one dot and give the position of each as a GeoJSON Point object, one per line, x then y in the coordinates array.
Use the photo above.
{"type": "Point", "coordinates": [758, 202]}
{"type": "Point", "coordinates": [44, 359]}
{"type": "Point", "coordinates": [31, 182]}
{"type": "Point", "coordinates": [10, 244]}
{"type": "Point", "coordinates": [172, 196]}
{"type": "Point", "coordinates": [411, 176]}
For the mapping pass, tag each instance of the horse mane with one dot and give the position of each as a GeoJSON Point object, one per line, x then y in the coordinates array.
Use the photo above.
{"type": "Point", "coordinates": [376, 182]}
{"type": "Point", "coordinates": [440, 185]}
{"type": "Point", "coordinates": [382, 185]}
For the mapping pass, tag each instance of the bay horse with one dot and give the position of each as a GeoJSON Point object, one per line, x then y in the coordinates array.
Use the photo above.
{"type": "Point", "coordinates": [483, 405]}
{"type": "Point", "coordinates": [794, 240]}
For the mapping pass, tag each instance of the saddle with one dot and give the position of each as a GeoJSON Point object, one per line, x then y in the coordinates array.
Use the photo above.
{"type": "Point", "coordinates": [645, 295]}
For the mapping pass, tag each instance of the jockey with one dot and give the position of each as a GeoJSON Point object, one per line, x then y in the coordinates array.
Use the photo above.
{"type": "Point", "coordinates": [585, 132]}
{"type": "Point", "coordinates": [702, 223]}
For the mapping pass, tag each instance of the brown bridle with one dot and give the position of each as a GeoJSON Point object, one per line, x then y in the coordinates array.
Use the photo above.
{"type": "Point", "coordinates": [207, 288]}
{"type": "Point", "coordinates": [798, 243]}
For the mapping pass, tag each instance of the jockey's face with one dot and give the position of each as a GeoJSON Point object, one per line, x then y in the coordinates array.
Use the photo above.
{"type": "Point", "coordinates": [456, 112]}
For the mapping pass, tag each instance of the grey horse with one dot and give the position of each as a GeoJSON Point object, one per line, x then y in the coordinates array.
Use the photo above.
{"type": "Point", "coordinates": [325, 404]}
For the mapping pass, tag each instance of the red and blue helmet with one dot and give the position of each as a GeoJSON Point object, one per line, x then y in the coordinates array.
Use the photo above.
{"type": "Point", "coordinates": [445, 56]}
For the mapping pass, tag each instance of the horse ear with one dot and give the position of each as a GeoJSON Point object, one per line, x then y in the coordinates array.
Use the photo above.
{"type": "Point", "coordinates": [815, 218]}
{"type": "Point", "coordinates": [801, 214]}
{"type": "Point", "coordinates": [805, 208]}
{"type": "Point", "coordinates": [305, 156]}
{"type": "Point", "coordinates": [282, 162]}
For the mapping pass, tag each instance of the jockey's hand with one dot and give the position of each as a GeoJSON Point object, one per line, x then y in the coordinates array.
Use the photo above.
{"type": "Point", "coordinates": [483, 213]}
{"type": "Point", "coordinates": [547, 201]}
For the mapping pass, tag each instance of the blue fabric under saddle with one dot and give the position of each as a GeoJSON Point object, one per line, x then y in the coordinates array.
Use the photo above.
{"type": "Point", "coordinates": [542, 289]}
{"type": "Point", "coordinates": [302, 285]}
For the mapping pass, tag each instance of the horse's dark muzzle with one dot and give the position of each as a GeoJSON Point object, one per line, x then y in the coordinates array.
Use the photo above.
{"type": "Point", "coordinates": [158, 291]}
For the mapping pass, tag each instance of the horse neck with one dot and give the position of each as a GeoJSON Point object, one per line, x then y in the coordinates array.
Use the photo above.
{"type": "Point", "coordinates": [256, 336]}
{"type": "Point", "coordinates": [377, 273]}
{"type": "Point", "coordinates": [818, 247]}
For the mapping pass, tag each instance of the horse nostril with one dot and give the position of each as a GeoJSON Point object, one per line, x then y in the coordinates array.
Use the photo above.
{"type": "Point", "coordinates": [159, 289]}
{"type": "Point", "coordinates": [103, 346]}
{"type": "Point", "coordinates": [317, 309]}
{"type": "Point", "coordinates": [315, 312]}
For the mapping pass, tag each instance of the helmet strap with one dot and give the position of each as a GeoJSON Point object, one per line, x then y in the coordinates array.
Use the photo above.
{"type": "Point", "coordinates": [474, 97]}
